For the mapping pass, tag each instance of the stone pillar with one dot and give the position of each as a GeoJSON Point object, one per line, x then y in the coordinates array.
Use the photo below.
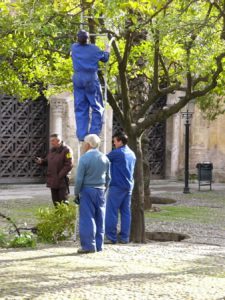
{"type": "Point", "coordinates": [106, 136]}
{"type": "Point", "coordinates": [57, 109]}
{"type": "Point", "coordinates": [175, 149]}
{"type": "Point", "coordinates": [62, 121]}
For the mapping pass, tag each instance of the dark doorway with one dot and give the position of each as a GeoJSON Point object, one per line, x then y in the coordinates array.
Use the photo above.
{"type": "Point", "coordinates": [23, 136]}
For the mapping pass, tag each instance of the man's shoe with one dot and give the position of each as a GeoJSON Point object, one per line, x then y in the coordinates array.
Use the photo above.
{"type": "Point", "coordinates": [82, 251]}
{"type": "Point", "coordinates": [123, 242]}
{"type": "Point", "coordinates": [109, 242]}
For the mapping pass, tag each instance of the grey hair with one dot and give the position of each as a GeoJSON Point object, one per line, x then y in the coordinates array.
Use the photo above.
{"type": "Point", "coordinates": [93, 140]}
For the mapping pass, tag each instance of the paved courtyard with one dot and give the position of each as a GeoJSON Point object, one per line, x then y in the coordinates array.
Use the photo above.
{"type": "Point", "coordinates": [190, 270]}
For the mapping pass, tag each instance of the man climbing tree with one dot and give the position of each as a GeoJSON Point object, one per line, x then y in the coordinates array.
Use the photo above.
{"type": "Point", "coordinates": [87, 89]}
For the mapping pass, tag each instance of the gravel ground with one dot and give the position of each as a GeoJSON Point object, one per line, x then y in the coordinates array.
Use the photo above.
{"type": "Point", "coordinates": [154, 271]}
{"type": "Point", "coordinates": [208, 231]}
{"type": "Point", "coordinates": [190, 270]}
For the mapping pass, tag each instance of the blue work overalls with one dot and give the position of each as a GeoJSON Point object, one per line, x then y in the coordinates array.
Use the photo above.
{"type": "Point", "coordinates": [87, 89]}
{"type": "Point", "coordinates": [119, 195]}
{"type": "Point", "coordinates": [91, 180]}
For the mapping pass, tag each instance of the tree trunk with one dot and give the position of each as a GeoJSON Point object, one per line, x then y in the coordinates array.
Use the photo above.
{"type": "Point", "coordinates": [147, 191]}
{"type": "Point", "coordinates": [138, 220]}
{"type": "Point", "coordinates": [146, 170]}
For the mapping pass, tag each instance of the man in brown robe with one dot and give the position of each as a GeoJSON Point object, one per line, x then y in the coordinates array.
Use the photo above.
{"type": "Point", "coordinates": [59, 162]}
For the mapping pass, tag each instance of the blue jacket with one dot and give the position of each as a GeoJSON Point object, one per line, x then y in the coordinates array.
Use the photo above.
{"type": "Point", "coordinates": [122, 167]}
{"type": "Point", "coordinates": [93, 171]}
{"type": "Point", "coordinates": [86, 57]}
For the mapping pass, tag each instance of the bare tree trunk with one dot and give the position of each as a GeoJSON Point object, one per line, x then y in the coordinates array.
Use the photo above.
{"type": "Point", "coordinates": [138, 220]}
{"type": "Point", "coordinates": [146, 170]}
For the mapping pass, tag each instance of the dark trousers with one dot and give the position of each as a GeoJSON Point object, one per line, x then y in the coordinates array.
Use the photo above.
{"type": "Point", "coordinates": [59, 195]}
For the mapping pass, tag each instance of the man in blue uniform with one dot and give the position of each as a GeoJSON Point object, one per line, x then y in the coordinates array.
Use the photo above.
{"type": "Point", "coordinates": [121, 185]}
{"type": "Point", "coordinates": [87, 89]}
{"type": "Point", "coordinates": [92, 179]}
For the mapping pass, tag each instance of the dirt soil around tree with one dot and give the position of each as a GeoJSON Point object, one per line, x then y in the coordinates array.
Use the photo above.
{"type": "Point", "coordinates": [192, 269]}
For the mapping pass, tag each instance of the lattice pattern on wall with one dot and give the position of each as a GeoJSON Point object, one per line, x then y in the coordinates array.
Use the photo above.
{"type": "Point", "coordinates": [157, 143]}
{"type": "Point", "coordinates": [156, 151]}
{"type": "Point", "coordinates": [23, 135]}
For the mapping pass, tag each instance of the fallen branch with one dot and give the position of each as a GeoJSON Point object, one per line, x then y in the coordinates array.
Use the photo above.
{"type": "Point", "coordinates": [10, 221]}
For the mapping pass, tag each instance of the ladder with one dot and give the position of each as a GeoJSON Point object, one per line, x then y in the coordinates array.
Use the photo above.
{"type": "Point", "coordinates": [104, 95]}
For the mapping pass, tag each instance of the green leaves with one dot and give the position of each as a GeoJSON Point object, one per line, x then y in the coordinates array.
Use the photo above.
{"type": "Point", "coordinates": [36, 38]}
{"type": "Point", "coordinates": [55, 224]}
{"type": "Point", "coordinates": [31, 38]}
{"type": "Point", "coordinates": [25, 240]}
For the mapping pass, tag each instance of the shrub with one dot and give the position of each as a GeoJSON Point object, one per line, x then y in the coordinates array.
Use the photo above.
{"type": "Point", "coordinates": [19, 241]}
{"type": "Point", "coordinates": [56, 224]}
{"type": "Point", "coordinates": [25, 240]}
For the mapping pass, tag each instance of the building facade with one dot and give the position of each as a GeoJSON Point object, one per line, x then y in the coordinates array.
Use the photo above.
{"type": "Point", "coordinates": [207, 143]}
{"type": "Point", "coordinates": [25, 128]}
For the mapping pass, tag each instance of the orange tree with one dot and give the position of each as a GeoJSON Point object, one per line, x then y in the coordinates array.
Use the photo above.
{"type": "Point", "coordinates": [171, 45]}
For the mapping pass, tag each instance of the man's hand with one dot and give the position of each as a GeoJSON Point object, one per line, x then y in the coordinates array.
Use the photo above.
{"type": "Point", "coordinates": [38, 160]}
{"type": "Point", "coordinates": [77, 199]}
{"type": "Point", "coordinates": [107, 48]}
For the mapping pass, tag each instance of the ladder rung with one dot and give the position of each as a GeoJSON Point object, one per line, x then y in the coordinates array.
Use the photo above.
{"type": "Point", "coordinates": [97, 34]}
{"type": "Point", "coordinates": [91, 17]}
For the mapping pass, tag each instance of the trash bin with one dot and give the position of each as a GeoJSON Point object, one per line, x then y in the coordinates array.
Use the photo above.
{"type": "Point", "coordinates": [204, 174]}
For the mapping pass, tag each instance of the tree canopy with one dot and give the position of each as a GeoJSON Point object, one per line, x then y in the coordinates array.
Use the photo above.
{"type": "Point", "coordinates": [183, 49]}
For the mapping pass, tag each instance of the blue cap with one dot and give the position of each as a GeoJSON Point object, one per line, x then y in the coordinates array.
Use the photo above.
{"type": "Point", "coordinates": [83, 34]}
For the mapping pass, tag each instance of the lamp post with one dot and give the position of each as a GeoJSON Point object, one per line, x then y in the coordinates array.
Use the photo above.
{"type": "Point", "coordinates": [187, 115]}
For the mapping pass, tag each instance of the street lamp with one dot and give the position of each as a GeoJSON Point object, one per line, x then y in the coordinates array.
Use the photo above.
{"type": "Point", "coordinates": [186, 114]}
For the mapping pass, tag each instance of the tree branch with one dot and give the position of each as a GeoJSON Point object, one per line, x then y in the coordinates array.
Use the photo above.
{"type": "Point", "coordinates": [125, 96]}
{"type": "Point", "coordinates": [188, 73]}
{"type": "Point", "coordinates": [215, 4]}
{"type": "Point", "coordinates": [215, 76]}
{"type": "Point", "coordinates": [155, 84]}
{"type": "Point", "coordinates": [117, 52]}
{"type": "Point", "coordinates": [127, 49]}
{"type": "Point", "coordinates": [162, 115]}
{"type": "Point", "coordinates": [154, 15]}
{"type": "Point", "coordinates": [200, 79]}
{"type": "Point", "coordinates": [164, 69]}
{"type": "Point", "coordinates": [116, 109]}
{"type": "Point", "coordinates": [154, 97]}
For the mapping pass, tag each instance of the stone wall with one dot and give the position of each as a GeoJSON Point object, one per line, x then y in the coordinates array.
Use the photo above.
{"type": "Point", "coordinates": [207, 143]}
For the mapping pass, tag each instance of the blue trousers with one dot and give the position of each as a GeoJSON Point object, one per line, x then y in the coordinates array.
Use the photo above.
{"type": "Point", "coordinates": [87, 94]}
{"type": "Point", "coordinates": [118, 200]}
{"type": "Point", "coordinates": [92, 218]}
